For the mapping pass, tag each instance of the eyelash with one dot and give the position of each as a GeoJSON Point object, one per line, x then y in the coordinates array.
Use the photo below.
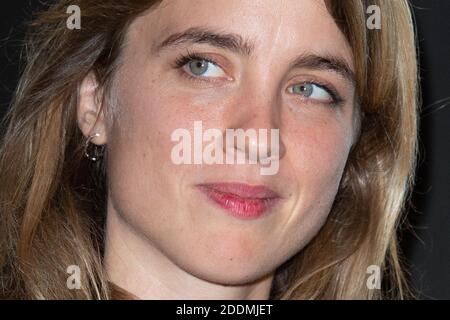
{"type": "Point", "coordinates": [184, 59]}
{"type": "Point", "coordinates": [336, 99]}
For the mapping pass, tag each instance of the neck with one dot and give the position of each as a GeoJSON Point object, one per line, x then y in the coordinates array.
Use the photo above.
{"type": "Point", "coordinates": [133, 263]}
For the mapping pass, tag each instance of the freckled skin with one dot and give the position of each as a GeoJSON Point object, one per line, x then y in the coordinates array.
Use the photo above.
{"type": "Point", "coordinates": [152, 202]}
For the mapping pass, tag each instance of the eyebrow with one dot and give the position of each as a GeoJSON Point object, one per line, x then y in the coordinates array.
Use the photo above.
{"type": "Point", "coordinates": [325, 63]}
{"type": "Point", "coordinates": [237, 44]}
{"type": "Point", "coordinates": [229, 41]}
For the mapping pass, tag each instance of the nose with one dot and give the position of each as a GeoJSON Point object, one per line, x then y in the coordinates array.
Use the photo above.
{"type": "Point", "coordinates": [253, 131]}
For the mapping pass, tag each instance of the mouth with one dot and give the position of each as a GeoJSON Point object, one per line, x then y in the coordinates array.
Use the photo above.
{"type": "Point", "coordinates": [241, 200]}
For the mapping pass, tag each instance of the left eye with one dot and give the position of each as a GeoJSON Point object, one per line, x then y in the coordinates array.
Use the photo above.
{"type": "Point", "coordinates": [204, 68]}
{"type": "Point", "coordinates": [311, 91]}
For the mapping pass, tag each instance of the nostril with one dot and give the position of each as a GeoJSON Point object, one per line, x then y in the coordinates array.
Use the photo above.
{"type": "Point", "coordinates": [255, 146]}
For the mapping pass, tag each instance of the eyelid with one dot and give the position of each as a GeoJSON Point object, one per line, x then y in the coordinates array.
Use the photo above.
{"type": "Point", "coordinates": [181, 62]}
{"type": "Point", "coordinates": [335, 98]}
{"type": "Point", "coordinates": [186, 67]}
{"type": "Point", "coordinates": [320, 86]}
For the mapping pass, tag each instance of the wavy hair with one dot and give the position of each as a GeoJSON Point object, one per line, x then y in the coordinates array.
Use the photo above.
{"type": "Point", "coordinates": [52, 200]}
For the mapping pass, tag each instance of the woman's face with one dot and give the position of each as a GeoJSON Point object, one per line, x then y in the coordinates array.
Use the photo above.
{"type": "Point", "coordinates": [276, 65]}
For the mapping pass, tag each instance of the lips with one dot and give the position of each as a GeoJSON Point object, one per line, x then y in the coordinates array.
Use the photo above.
{"type": "Point", "coordinates": [241, 200]}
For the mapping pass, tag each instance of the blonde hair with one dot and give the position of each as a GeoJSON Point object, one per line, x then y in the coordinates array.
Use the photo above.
{"type": "Point", "coordinates": [52, 201]}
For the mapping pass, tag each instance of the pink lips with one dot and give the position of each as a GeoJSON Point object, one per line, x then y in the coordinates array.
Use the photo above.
{"type": "Point", "coordinates": [241, 200]}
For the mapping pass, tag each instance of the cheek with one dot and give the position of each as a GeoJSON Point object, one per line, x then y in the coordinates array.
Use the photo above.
{"type": "Point", "coordinates": [151, 114]}
{"type": "Point", "coordinates": [318, 156]}
{"type": "Point", "coordinates": [324, 152]}
{"type": "Point", "coordinates": [318, 145]}
{"type": "Point", "coordinates": [139, 161]}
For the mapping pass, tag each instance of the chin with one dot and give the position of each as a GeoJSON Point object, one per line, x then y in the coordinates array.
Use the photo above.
{"type": "Point", "coordinates": [226, 271]}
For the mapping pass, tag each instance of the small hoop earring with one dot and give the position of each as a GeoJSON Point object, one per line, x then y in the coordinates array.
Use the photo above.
{"type": "Point", "coordinates": [96, 154]}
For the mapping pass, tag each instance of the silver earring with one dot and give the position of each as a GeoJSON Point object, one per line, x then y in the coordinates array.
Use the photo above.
{"type": "Point", "coordinates": [92, 151]}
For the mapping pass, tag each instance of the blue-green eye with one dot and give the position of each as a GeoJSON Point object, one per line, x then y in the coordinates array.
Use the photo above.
{"type": "Point", "coordinates": [204, 68]}
{"type": "Point", "coordinates": [312, 91]}
{"type": "Point", "coordinates": [198, 66]}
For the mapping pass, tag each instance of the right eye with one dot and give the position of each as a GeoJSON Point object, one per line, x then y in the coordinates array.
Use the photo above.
{"type": "Point", "coordinates": [204, 68]}
{"type": "Point", "coordinates": [200, 67]}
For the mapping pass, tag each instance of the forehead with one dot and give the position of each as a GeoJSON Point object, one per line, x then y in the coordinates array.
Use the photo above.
{"type": "Point", "coordinates": [282, 26]}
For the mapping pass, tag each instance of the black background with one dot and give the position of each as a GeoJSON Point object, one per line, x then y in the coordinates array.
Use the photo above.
{"type": "Point", "coordinates": [427, 248]}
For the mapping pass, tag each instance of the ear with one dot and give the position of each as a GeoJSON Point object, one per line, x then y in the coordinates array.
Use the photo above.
{"type": "Point", "coordinates": [90, 114]}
